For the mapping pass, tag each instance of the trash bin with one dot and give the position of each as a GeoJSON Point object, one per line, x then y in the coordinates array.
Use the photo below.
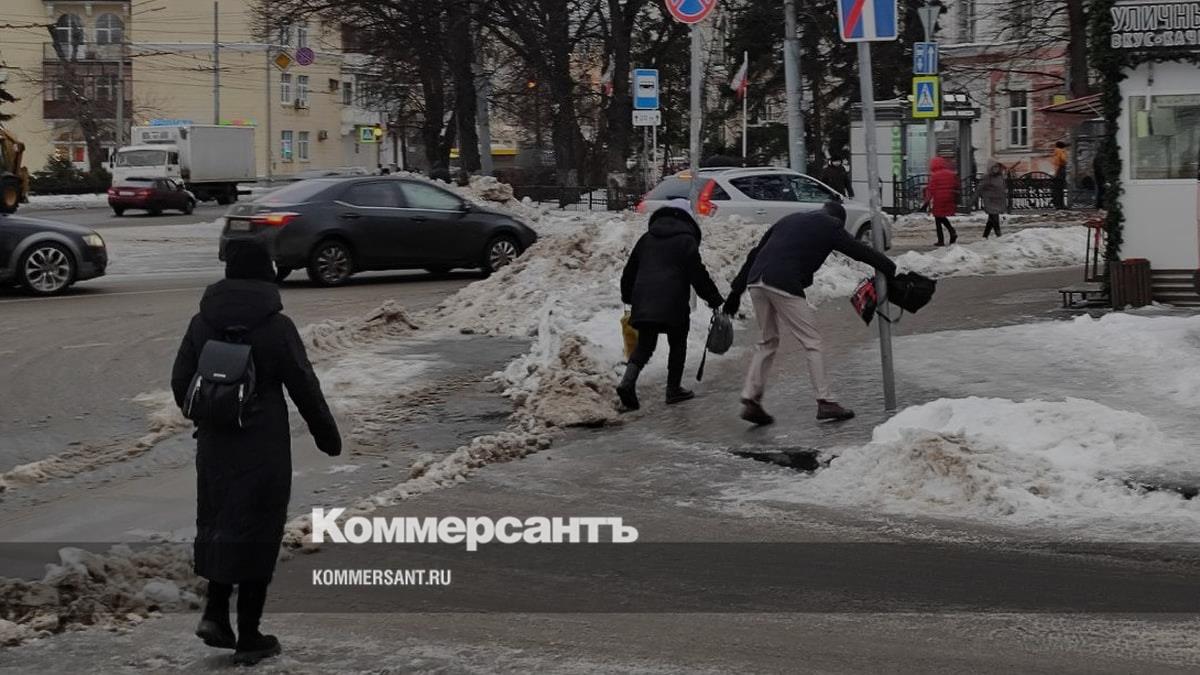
{"type": "Point", "coordinates": [1131, 283]}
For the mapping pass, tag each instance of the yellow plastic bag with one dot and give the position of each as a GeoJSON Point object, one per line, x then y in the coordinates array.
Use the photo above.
{"type": "Point", "coordinates": [629, 334]}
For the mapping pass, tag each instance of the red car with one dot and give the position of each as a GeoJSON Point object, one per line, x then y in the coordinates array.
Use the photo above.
{"type": "Point", "coordinates": [150, 194]}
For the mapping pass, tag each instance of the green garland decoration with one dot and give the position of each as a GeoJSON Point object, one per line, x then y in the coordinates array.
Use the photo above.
{"type": "Point", "coordinates": [1112, 64]}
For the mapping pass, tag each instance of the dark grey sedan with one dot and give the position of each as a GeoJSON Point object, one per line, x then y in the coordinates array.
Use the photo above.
{"type": "Point", "coordinates": [335, 227]}
{"type": "Point", "coordinates": [46, 257]}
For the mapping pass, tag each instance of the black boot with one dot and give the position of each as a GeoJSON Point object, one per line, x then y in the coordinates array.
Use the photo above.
{"type": "Point", "coordinates": [255, 647]}
{"type": "Point", "coordinates": [831, 410]}
{"type": "Point", "coordinates": [214, 628]}
{"type": "Point", "coordinates": [677, 394]}
{"type": "Point", "coordinates": [752, 411]}
{"type": "Point", "coordinates": [627, 389]}
{"type": "Point", "coordinates": [216, 633]}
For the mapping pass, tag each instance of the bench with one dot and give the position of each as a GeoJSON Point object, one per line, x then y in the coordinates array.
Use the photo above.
{"type": "Point", "coordinates": [1084, 293]}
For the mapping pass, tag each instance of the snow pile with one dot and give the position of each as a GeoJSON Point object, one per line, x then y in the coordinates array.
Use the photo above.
{"type": "Point", "coordinates": [122, 586]}
{"type": "Point", "coordinates": [1054, 465]}
{"type": "Point", "coordinates": [327, 338]}
{"type": "Point", "coordinates": [1020, 251]}
{"type": "Point", "coordinates": [63, 202]}
{"type": "Point", "coordinates": [490, 189]}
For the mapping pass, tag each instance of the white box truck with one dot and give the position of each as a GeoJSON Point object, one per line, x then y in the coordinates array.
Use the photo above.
{"type": "Point", "coordinates": [209, 160]}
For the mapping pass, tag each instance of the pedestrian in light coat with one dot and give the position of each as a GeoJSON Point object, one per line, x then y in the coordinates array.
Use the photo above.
{"type": "Point", "coordinates": [992, 193]}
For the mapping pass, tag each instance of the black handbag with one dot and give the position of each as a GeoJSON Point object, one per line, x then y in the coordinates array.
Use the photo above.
{"type": "Point", "coordinates": [911, 291]}
{"type": "Point", "coordinates": [720, 339]}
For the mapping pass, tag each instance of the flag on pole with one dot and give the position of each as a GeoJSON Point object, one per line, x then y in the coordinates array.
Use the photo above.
{"type": "Point", "coordinates": [606, 80]}
{"type": "Point", "coordinates": [741, 81]}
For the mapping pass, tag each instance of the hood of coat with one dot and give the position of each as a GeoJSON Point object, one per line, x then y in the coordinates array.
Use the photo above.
{"type": "Point", "coordinates": [995, 169]}
{"type": "Point", "coordinates": [239, 302]}
{"type": "Point", "coordinates": [672, 221]}
{"type": "Point", "coordinates": [939, 164]}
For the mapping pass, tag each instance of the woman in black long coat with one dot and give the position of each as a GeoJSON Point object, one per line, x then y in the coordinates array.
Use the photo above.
{"type": "Point", "coordinates": [662, 270]}
{"type": "Point", "coordinates": [244, 476]}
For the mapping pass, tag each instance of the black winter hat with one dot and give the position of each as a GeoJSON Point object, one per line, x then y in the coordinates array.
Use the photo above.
{"type": "Point", "coordinates": [836, 210]}
{"type": "Point", "coordinates": [248, 259]}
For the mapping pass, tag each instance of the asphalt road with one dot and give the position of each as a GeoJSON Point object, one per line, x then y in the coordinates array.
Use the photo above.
{"type": "Point", "coordinates": [71, 365]}
{"type": "Point", "coordinates": [102, 218]}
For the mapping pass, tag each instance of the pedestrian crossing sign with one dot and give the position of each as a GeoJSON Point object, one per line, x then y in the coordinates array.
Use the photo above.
{"type": "Point", "coordinates": [927, 97]}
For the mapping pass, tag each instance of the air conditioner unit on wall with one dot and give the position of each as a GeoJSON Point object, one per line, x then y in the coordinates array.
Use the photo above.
{"type": "Point", "coordinates": [300, 104]}
{"type": "Point", "coordinates": [322, 135]}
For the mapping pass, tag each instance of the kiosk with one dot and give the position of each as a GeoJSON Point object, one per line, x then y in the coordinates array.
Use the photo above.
{"type": "Point", "coordinates": [1155, 62]}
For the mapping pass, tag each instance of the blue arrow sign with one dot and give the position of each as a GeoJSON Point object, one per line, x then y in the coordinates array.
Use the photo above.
{"type": "Point", "coordinates": [925, 58]}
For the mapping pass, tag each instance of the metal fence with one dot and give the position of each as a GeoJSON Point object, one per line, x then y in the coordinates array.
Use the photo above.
{"type": "Point", "coordinates": [1028, 192]}
{"type": "Point", "coordinates": [577, 198]}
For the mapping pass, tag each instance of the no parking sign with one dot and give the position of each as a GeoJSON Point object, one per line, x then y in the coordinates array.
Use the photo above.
{"type": "Point", "coordinates": [690, 11]}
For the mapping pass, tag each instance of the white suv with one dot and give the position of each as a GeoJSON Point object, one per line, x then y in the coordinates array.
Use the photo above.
{"type": "Point", "coordinates": [762, 194]}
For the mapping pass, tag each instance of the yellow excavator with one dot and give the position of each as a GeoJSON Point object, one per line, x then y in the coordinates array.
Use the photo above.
{"type": "Point", "coordinates": [14, 177]}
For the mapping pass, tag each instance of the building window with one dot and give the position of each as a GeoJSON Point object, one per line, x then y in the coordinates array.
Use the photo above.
{"type": "Point", "coordinates": [1018, 119]}
{"type": "Point", "coordinates": [285, 88]}
{"type": "Point", "coordinates": [302, 36]}
{"type": "Point", "coordinates": [1164, 137]}
{"type": "Point", "coordinates": [284, 35]}
{"type": "Point", "coordinates": [966, 20]}
{"type": "Point", "coordinates": [285, 146]}
{"type": "Point", "coordinates": [302, 146]}
{"type": "Point", "coordinates": [347, 93]}
{"type": "Point", "coordinates": [110, 30]}
{"type": "Point", "coordinates": [106, 87]}
{"type": "Point", "coordinates": [68, 36]}
{"type": "Point", "coordinates": [302, 89]}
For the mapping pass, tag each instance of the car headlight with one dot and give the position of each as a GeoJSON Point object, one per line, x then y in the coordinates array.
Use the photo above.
{"type": "Point", "coordinates": [93, 240]}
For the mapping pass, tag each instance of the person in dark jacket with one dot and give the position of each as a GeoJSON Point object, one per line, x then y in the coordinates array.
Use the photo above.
{"type": "Point", "coordinates": [941, 194]}
{"type": "Point", "coordinates": [777, 272]}
{"type": "Point", "coordinates": [992, 193]}
{"type": "Point", "coordinates": [244, 476]}
{"type": "Point", "coordinates": [662, 270]}
{"type": "Point", "coordinates": [835, 176]}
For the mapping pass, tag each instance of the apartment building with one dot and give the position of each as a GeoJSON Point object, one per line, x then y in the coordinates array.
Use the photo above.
{"type": "Point", "coordinates": [991, 53]}
{"type": "Point", "coordinates": [78, 65]}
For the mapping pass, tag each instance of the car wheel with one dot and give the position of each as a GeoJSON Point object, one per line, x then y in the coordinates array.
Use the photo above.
{"type": "Point", "coordinates": [118, 211]}
{"type": "Point", "coordinates": [282, 273]}
{"type": "Point", "coordinates": [331, 263]}
{"type": "Point", "coordinates": [223, 199]}
{"type": "Point", "coordinates": [864, 234]}
{"type": "Point", "coordinates": [10, 194]}
{"type": "Point", "coordinates": [501, 251]}
{"type": "Point", "coordinates": [47, 268]}
{"type": "Point", "coordinates": [189, 207]}
{"type": "Point", "coordinates": [155, 212]}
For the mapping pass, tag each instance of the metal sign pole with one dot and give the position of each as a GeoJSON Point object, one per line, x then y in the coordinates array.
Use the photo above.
{"type": "Point", "coordinates": [867, 86]}
{"type": "Point", "coordinates": [928, 16]}
{"type": "Point", "coordinates": [695, 117]}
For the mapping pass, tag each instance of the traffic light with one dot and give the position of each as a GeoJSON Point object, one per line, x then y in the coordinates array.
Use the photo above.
{"type": "Point", "coordinates": [378, 132]}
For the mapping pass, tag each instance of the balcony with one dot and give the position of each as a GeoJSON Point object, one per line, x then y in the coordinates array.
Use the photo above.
{"type": "Point", "coordinates": [88, 52]}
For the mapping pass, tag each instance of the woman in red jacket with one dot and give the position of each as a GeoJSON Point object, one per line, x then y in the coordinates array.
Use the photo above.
{"type": "Point", "coordinates": [942, 196]}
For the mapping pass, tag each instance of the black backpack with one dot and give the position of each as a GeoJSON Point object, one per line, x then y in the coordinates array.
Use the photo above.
{"type": "Point", "coordinates": [222, 390]}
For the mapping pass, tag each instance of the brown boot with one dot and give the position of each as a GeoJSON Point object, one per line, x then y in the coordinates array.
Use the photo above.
{"type": "Point", "coordinates": [829, 410]}
{"type": "Point", "coordinates": [752, 412]}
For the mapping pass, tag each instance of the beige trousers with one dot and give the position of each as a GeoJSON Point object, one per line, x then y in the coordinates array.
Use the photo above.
{"type": "Point", "coordinates": [773, 307]}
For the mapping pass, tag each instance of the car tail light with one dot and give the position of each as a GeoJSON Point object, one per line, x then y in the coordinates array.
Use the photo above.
{"type": "Point", "coordinates": [275, 218]}
{"type": "Point", "coordinates": [144, 193]}
{"type": "Point", "coordinates": [641, 205]}
{"type": "Point", "coordinates": [112, 192]}
{"type": "Point", "coordinates": [705, 205]}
